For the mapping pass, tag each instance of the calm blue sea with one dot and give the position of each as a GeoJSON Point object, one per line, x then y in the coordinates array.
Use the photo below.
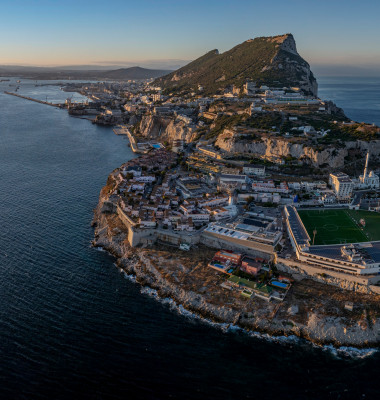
{"type": "Point", "coordinates": [359, 97]}
{"type": "Point", "coordinates": [72, 326]}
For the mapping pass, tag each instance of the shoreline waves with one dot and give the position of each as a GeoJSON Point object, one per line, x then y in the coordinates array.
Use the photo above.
{"type": "Point", "coordinates": [147, 269]}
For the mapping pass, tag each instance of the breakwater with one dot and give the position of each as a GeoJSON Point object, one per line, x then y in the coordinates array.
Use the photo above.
{"type": "Point", "coordinates": [59, 105]}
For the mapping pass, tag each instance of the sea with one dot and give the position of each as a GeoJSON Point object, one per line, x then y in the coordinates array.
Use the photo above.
{"type": "Point", "coordinates": [73, 326]}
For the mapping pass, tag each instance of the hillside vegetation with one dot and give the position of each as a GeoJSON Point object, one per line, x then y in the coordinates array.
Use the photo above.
{"type": "Point", "coordinates": [273, 61]}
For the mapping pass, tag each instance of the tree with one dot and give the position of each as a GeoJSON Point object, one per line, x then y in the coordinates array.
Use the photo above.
{"type": "Point", "coordinates": [250, 200]}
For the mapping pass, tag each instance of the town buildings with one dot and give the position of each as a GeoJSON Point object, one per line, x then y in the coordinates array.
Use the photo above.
{"type": "Point", "coordinates": [254, 169]}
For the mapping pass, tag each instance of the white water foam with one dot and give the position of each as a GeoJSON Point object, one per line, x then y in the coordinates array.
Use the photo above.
{"type": "Point", "coordinates": [98, 248]}
{"type": "Point", "coordinates": [340, 352]}
{"type": "Point", "coordinates": [350, 352]}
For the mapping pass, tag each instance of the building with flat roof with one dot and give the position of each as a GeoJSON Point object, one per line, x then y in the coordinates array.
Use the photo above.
{"type": "Point", "coordinates": [210, 152]}
{"type": "Point", "coordinates": [254, 169]}
{"type": "Point", "coordinates": [342, 186]}
{"type": "Point", "coordinates": [231, 178]}
{"type": "Point", "coordinates": [258, 236]}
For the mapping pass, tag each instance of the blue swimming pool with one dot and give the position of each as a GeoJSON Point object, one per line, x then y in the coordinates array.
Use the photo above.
{"type": "Point", "coordinates": [156, 146]}
{"type": "Point", "coordinates": [279, 284]}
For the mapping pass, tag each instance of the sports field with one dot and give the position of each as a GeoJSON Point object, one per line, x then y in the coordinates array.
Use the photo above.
{"type": "Point", "coordinates": [338, 226]}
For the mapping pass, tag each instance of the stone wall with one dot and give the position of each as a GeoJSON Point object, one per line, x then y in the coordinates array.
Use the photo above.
{"type": "Point", "coordinates": [345, 281]}
{"type": "Point", "coordinates": [253, 249]}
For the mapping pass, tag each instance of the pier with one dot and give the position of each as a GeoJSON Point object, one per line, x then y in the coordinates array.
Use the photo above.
{"type": "Point", "coordinates": [59, 105]}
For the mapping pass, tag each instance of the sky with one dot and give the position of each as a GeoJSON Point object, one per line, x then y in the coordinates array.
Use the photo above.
{"type": "Point", "coordinates": [169, 32]}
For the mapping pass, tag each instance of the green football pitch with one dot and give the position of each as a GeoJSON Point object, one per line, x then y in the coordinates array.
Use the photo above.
{"type": "Point", "coordinates": [338, 226]}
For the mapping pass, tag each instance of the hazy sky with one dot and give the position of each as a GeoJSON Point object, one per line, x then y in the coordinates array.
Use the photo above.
{"type": "Point", "coordinates": [50, 32]}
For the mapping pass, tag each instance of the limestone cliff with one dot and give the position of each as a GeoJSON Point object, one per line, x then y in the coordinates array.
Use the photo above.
{"type": "Point", "coordinates": [167, 129]}
{"type": "Point", "coordinates": [281, 147]}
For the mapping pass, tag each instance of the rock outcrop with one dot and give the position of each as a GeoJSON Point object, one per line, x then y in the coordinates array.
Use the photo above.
{"type": "Point", "coordinates": [167, 129]}
{"type": "Point", "coordinates": [281, 147]}
{"type": "Point", "coordinates": [273, 61]}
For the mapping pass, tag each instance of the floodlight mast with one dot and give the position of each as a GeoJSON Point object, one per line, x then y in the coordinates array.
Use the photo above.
{"type": "Point", "coordinates": [314, 233]}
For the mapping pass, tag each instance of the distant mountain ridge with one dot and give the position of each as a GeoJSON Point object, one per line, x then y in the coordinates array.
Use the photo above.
{"type": "Point", "coordinates": [272, 61]}
{"type": "Point", "coordinates": [57, 73]}
{"type": "Point", "coordinates": [134, 73]}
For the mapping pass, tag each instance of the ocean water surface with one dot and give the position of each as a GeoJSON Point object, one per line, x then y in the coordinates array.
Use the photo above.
{"type": "Point", "coordinates": [71, 324]}
{"type": "Point", "coordinates": [358, 96]}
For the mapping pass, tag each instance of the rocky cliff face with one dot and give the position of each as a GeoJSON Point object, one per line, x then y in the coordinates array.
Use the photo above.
{"type": "Point", "coordinates": [281, 147]}
{"type": "Point", "coordinates": [288, 61]}
{"type": "Point", "coordinates": [167, 129]}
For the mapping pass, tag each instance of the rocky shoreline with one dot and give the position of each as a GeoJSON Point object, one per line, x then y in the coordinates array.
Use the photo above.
{"type": "Point", "coordinates": [312, 311]}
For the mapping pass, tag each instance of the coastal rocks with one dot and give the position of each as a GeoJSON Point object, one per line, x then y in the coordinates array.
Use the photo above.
{"type": "Point", "coordinates": [299, 274]}
{"type": "Point", "coordinates": [150, 268]}
{"type": "Point", "coordinates": [108, 208]}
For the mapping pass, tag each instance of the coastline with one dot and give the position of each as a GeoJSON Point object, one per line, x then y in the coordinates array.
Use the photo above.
{"type": "Point", "coordinates": [193, 286]}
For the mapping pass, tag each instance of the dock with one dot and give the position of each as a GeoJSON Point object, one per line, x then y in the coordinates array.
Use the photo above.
{"type": "Point", "coordinates": [120, 130]}
{"type": "Point", "coordinates": [58, 105]}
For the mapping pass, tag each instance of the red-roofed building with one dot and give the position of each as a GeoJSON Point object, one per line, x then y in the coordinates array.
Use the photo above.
{"type": "Point", "coordinates": [226, 255]}
{"type": "Point", "coordinates": [251, 266]}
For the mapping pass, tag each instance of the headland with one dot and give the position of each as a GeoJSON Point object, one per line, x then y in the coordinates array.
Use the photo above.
{"type": "Point", "coordinates": [246, 205]}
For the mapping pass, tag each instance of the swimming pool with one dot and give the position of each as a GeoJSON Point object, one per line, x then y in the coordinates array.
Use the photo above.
{"type": "Point", "coordinates": [279, 284]}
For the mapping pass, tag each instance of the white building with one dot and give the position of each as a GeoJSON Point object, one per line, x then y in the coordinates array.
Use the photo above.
{"type": "Point", "coordinates": [328, 197]}
{"type": "Point", "coordinates": [269, 187]}
{"type": "Point", "coordinates": [145, 178]}
{"type": "Point", "coordinates": [368, 180]}
{"type": "Point", "coordinates": [230, 178]}
{"type": "Point", "coordinates": [342, 186]}
{"type": "Point", "coordinates": [252, 169]}
{"type": "Point", "coordinates": [156, 97]}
